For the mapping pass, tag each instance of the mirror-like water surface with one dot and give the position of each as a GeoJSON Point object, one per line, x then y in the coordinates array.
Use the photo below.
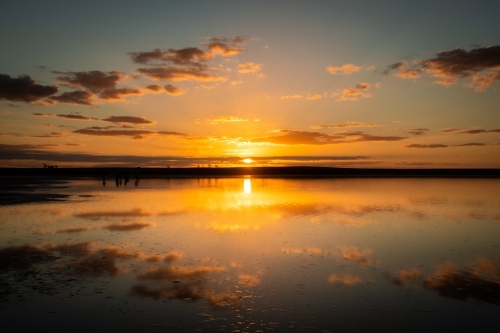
{"type": "Point", "coordinates": [255, 255]}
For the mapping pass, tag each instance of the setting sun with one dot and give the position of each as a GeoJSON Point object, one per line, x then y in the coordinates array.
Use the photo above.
{"type": "Point", "coordinates": [248, 160]}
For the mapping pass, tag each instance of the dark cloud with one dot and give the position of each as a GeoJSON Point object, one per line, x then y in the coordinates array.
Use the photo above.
{"type": "Point", "coordinates": [78, 97]}
{"type": "Point", "coordinates": [397, 65]}
{"type": "Point", "coordinates": [95, 81]}
{"type": "Point", "coordinates": [469, 144]}
{"type": "Point", "coordinates": [369, 137]}
{"type": "Point", "coordinates": [418, 131]}
{"type": "Point", "coordinates": [75, 117]}
{"type": "Point", "coordinates": [119, 93]}
{"type": "Point", "coordinates": [191, 56]}
{"type": "Point", "coordinates": [135, 134]}
{"type": "Point", "coordinates": [172, 90]}
{"type": "Point", "coordinates": [416, 145]}
{"type": "Point", "coordinates": [180, 74]}
{"type": "Point", "coordinates": [154, 88]}
{"type": "Point", "coordinates": [450, 129]}
{"type": "Point", "coordinates": [128, 120]}
{"type": "Point", "coordinates": [478, 131]}
{"type": "Point", "coordinates": [481, 65]}
{"type": "Point", "coordinates": [23, 89]}
{"type": "Point", "coordinates": [49, 135]}
{"type": "Point", "coordinates": [73, 230]}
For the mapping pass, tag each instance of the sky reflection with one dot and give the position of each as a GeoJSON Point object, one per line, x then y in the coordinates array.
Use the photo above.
{"type": "Point", "coordinates": [295, 253]}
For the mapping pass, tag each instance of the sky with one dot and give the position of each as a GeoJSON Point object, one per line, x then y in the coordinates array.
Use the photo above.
{"type": "Point", "coordinates": [398, 84]}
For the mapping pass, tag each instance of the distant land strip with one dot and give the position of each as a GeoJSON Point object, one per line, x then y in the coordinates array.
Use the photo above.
{"type": "Point", "coordinates": [271, 172]}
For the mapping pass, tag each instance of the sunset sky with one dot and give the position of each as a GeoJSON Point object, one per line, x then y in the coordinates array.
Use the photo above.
{"type": "Point", "coordinates": [330, 83]}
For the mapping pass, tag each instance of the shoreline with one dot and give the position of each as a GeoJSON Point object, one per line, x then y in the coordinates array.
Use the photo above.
{"type": "Point", "coordinates": [265, 172]}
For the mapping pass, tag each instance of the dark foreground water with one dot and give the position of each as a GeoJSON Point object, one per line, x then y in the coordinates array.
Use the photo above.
{"type": "Point", "coordinates": [255, 255]}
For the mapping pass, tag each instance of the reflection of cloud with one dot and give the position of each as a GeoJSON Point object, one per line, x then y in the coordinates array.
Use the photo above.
{"type": "Point", "coordinates": [97, 215]}
{"type": "Point", "coordinates": [73, 230]}
{"type": "Point", "coordinates": [479, 279]}
{"type": "Point", "coordinates": [357, 255]}
{"type": "Point", "coordinates": [178, 273]}
{"type": "Point", "coordinates": [248, 280]}
{"type": "Point", "coordinates": [23, 257]}
{"type": "Point", "coordinates": [346, 279]}
{"type": "Point", "coordinates": [227, 227]}
{"type": "Point", "coordinates": [128, 226]}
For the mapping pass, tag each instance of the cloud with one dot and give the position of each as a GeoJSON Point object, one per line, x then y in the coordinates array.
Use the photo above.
{"type": "Point", "coordinates": [23, 89]}
{"type": "Point", "coordinates": [180, 74]}
{"type": "Point", "coordinates": [226, 119]}
{"type": "Point", "coordinates": [78, 97]}
{"type": "Point", "coordinates": [73, 230]}
{"type": "Point", "coordinates": [67, 116]}
{"type": "Point", "coordinates": [173, 90]}
{"type": "Point", "coordinates": [291, 137]}
{"type": "Point", "coordinates": [345, 69]}
{"type": "Point", "coordinates": [409, 74]}
{"type": "Point", "coordinates": [119, 93]}
{"type": "Point", "coordinates": [449, 129]}
{"type": "Point", "coordinates": [481, 64]}
{"type": "Point", "coordinates": [187, 56]}
{"type": "Point", "coordinates": [416, 145]}
{"type": "Point", "coordinates": [397, 65]}
{"type": "Point", "coordinates": [49, 135]}
{"type": "Point", "coordinates": [314, 97]}
{"type": "Point", "coordinates": [470, 144]}
{"type": "Point", "coordinates": [95, 81]}
{"type": "Point", "coordinates": [128, 226]}
{"type": "Point", "coordinates": [248, 280]}
{"type": "Point", "coordinates": [479, 131]}
{"type": "Point", "coordinates": [223, 49]}
{"type": "Point", "coordinates": [418, 131]}
{"type": "Point", "coordinates": [292, 96]}
{"type": "Point", "coordinates": [360, 90]}
{"type": "Point", "coordinates": [135, 134]}
{"type": "Point", "coordinates": [154, 88]}
{"type": "Point", "coordinates": [249, 67]}
{"type": "Point", "coordinates": [128, 120]}
{"type": "Point", "coordinates": [347, 124]}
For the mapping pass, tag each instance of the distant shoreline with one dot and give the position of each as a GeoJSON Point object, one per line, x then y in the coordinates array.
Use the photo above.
{"type": "Point", "coordinates": [267, 172]}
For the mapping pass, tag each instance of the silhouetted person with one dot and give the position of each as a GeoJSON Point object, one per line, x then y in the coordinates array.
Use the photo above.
{"type": "Point", "coordinates": [117, 181]}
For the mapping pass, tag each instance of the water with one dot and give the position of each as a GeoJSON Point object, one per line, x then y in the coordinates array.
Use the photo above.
{"type": "Point", "coordinates": [255, 255]}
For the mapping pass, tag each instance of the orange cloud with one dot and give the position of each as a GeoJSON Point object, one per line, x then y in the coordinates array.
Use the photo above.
{"type": "Point", "coordinates": [226, 119]}
{"type": "Point", "coordinates": [360, 90]}
{"type": "Point", "coordinates": [128, 120]}
{"type": "Point", "coordinates": [416, 145]}
{"type": "Point", "coordinates": [119, 93]}
{"type": "Point", "coordinates": [128, 226]}
{"type": "Point", "coordinates": [249, 67]}
{"type": "Point", "coordinates": [345, 69]}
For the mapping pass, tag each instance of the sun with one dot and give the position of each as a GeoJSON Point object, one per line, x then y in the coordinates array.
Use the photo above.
{"type": "Point", "coordinates": [248, 160]}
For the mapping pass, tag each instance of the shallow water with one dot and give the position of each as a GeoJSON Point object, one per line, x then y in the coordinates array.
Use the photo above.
{"type": "Point", "coordinates": [255, 255]}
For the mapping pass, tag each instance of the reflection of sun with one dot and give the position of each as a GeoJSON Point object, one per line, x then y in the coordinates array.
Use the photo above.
{"type": "Point", "coordinates": [247, 160]}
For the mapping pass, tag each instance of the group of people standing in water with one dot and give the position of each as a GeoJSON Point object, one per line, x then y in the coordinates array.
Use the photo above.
{"type": "Point", "coordinates": [121, 179]}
